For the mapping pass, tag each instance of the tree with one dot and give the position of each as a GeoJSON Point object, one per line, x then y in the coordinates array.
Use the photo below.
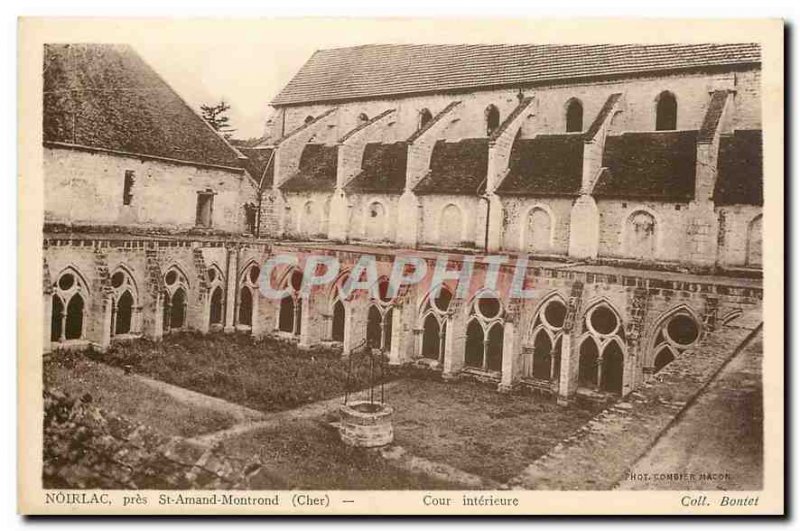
{"type": "Point", "coordinates": [216, 116]}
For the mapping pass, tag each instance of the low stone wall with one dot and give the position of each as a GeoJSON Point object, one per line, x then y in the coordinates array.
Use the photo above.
{"type": "Point", "coordinates": [597, 456]}
{"type": "Point", "coordinates": [366, 425]}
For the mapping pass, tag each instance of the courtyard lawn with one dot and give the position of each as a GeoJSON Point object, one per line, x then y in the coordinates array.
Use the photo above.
{"type": "Point", "coordinates": [472, 427]}
{"type": "Point", "coordinates": [307, 454]}
{"type": "Point", "coordinates": [262, 374]}
{"type": "Point", "coordinates": [125, 395]}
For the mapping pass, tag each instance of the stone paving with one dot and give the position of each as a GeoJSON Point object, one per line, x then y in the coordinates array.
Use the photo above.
{"type": "Point", "coordinates": [599, 454]}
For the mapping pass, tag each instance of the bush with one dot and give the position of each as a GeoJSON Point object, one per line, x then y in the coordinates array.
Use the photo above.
{"type": "Point", "coordinates": [86, 447]}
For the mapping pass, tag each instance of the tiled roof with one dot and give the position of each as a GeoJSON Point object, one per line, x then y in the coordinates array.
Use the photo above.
{"type": "Point", "coordinates": [258, 160]}
{"type": "Point", "coordinates": [316, 172]}
{"type": "Point", "coordinates": [659, 166]}
{"type": "Point", "coordinates": [372, 71]}
{"type": "Point", "coordinates": [741, 175]}
{"type": "Point", "coordinates": [105, 96]}
{"type": "Point", "coordinates": [546, 165]}
{"type": "Point", "coordinates": [457, 168]}
{"type": "Point", "coordinates": [383, 169]}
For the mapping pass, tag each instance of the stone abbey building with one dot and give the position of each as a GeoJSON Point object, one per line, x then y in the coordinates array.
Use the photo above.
{"type": "Point", "coordinates": [630, 175]}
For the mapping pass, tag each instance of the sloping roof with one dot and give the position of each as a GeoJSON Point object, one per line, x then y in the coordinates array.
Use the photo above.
{"type": "Point", "coordinates": [383, 169]}
{"type": "Point", "coordinates": [316, 172]}
{"type": "Point", "coordinates": [258, 160]}
{"type": "Point", "coordinates": [457, 168]}
{"type": "Point", "coordinates": [105, 96]}
{"type": "Point", "coordinates": [741, 175]}
{"type": "Point", "coordinates": [372, 71]}
{"type": "Point", "coordinates": [658, 166]}
{"type": "Point", "coordinates": [546, 165]}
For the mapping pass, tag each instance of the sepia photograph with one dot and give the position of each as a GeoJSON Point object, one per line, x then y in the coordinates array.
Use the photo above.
{"type": "Point", "coordinates": [469, 272]}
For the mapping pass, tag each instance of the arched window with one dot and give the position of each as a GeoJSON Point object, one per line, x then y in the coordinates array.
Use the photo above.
{"type": "Point", "coordinates": [542, 350]}
{"type": "Point", "coordinates": [450, 226]}
{"type": "Point", "coordinates": [666, 112]}
{"type": "Point", "coordinates": [485, 322]}
{"type": "Point", "coordinates": [216, 286]}
{"type": "Point", "coordinates": [363, 118]}
{"type": "Point", "coordinates": [674, 334]}
{"type": "Point", "coordinates": [754, 235]}
{"type": "Point", "coordinates": [215, 317]}
{"type": "Point", "coordinates": [68, 301]}
{"type": "Point", "coordinates": [308, 119]}
{"type": "Point", "coordinates": [640, 235]}
{"type": "Point", "coordinates": [246, 306]}
{"type": "Point", "coordinates": [248, 288]}
{"type": "Point", "coordinates": [574, 117]}
{"type": "Point", "coordinates": [124, 312]}
{"type": "Point", "coordinates": [175, 300]}
{"type": "Point", "coordinates": [337, 328]}
{"type": "Point", "coordinates": [492, 119]}
{"type": "Point", "coordinates": [434, 323]}
{"type": "Point", "coordinates": [291, 306]}
{"type": "Point", "coordinates": [375, 222]}
{"type": "Point", "coordinates": [537, 231]}
{"type": "Point", "coordinates": [379, 317]}
{"type": "Point", "coordinates": [601, 363]}
{"type": "Point", "coordinates": [425, 116]}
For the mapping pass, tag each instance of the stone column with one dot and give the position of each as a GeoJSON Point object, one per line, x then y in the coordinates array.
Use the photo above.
{"type": "Point", "coordinates": [338, 217]}
{"type": "Point", "coordinates": [511, 358]}
{"type": "Point", "coordinates": [47, 300]}
{"type": "Point", "coordinates": [454, 345]}
{"type": "Point", "coordinates": [231, 291]}
{"type": "Point", "coordinates": [104, 339]}
{"type": "Point", "coordinates": [408, 212]}
{"type": "Point", "coordinates": [584, 233]}
{"type": "Point", "coordinates": [568, 379]}
{"type": "Point", "coordinates": [355, 325]}
{"type": "Point", "coordinates": [402, 334]}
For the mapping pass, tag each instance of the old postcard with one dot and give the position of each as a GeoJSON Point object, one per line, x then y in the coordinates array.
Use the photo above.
{"type": "Point", "coordinates": [401, 266]}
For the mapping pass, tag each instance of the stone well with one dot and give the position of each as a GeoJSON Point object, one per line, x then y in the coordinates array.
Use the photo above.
{"type": "Point", "coordinates": [366, 424]}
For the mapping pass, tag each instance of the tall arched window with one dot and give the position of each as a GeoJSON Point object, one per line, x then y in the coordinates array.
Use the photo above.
{"type": "Point", "coordinates": [450, 226]}
{"type": "Point", "coordinates": [425, 116]}
{"type": "Point", "coordinates": [375, 222]}
{"type": "Point", "coordinates": [291, 306]}
{"type": "Point", "coordinates": [484, 345]}
{"type": "Point", "coordinates": [338, 309]}
{"type": "Point", "coordinates": [537, 231]}
{"type": "Point", "coordinates": [216, 286]}
{"type": "Point", "coordinates": [175, 300]}
{"type": "Point", "coordinates": [124, 310]}
{"type": "Point", "coordinates": [601, 356]}
{"type": "Point", "coordinates": [640, 235]}
{"type": "Point", "coordinates": [666, 112]}
{"type": "Point", "coordinates": [379, 318]}
{"type": "Point", "coordinates": [754, 238]}
{"type": "Point", "coordinates": [492, 119]}
{"type": "Point", "coordinates": [434, 323]}
{"type": "Point", "coordinates": [69, 298]}
{"type": "Point", "coordinates": [248, 288]}
{"type": "Point", "coordinates": [574, 117]}
{"type": "Point", "coordinates": [542, 352]}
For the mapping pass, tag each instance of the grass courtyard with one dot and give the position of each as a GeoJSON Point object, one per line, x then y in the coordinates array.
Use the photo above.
{"type": "Point", "coordinates": [465, 425]}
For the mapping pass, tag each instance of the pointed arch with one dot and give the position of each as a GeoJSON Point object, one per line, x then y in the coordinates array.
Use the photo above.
{"type": "Point", "coordinates": [753, 257]}
{"type": "Point", "coordinates": [180, 277]}
{"type": "Point", "coordinates": [217, 306]}
{"type": "Point", "coordinates": [451, 225]}
{"type": "Point", "coordinates": [536, 233]}
{"type": "Point", "coordinates": [675, 330]}
{"type": "Point", "coordinates": [337, 326]}
{"type": "Point", "coordinates": [640, 234]}
{"type": "Point", "coordinates": [425, 116]}
{"type": "Point", "coordinates": [666, 111]}
{"type": "Point", "coordinates": [573, 116]}
{"type": "Point", "coordinates": [492, 118]}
